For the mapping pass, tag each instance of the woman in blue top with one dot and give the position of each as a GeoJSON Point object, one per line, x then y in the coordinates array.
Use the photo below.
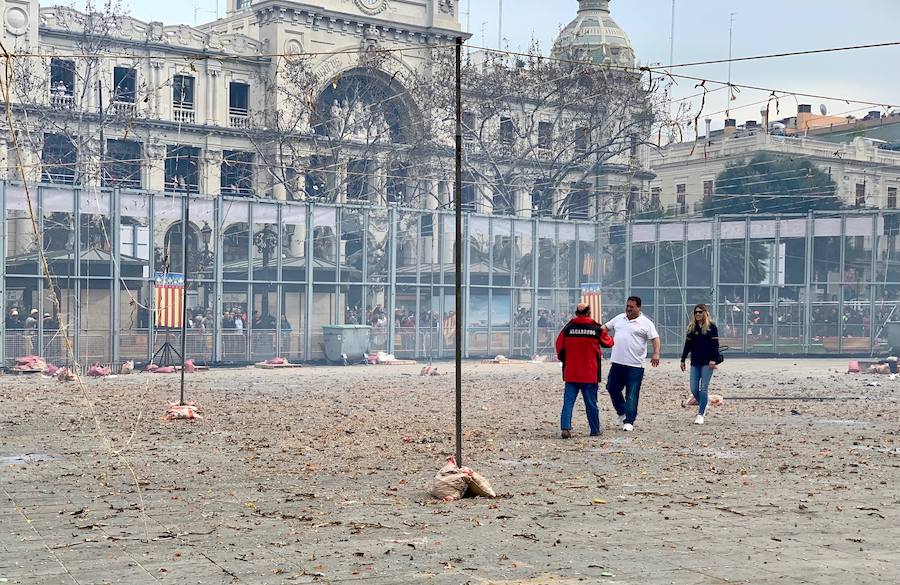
{"type": "Point", "coordinates": [702, 342]}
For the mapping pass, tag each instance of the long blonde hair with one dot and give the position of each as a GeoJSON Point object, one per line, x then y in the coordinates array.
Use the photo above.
{"type": "Point", "coordinates": [707, 320]}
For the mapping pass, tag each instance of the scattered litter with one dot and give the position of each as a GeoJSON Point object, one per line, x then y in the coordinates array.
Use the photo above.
{"type": "Point", "coordinates": [598, 502]}
{"type": "Point", "coordinates": [186, 411]}
{"type": "Point", "coordinates": [502, 359]}
{"type": "Point", "coordinates": [453, 482]}
{"type": "Point", "coordinates": [873, 384]}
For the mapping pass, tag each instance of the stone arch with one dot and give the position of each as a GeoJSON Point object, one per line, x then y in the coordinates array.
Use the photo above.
{"type": "Point", "coordinates": [173, 252]}
{"type": "Point", "coordinates": [368, 104]}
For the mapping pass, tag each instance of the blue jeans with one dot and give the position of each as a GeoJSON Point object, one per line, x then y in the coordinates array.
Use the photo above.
{"type": "Point", "coordinates": [700, 377]}
{"type": "Point", "coordinates": [629, 379]}
{"type": "Point", "coordinates": [589, 391]}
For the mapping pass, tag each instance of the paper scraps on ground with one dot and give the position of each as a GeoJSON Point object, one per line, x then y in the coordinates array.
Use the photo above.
{"type": "Point", "coordinates": [453, 482]}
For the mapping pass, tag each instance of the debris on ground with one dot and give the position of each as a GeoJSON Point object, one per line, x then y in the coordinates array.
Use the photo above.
{"type": "Point", "coordinates": [714, 400]}
{"type": "Point", "coordinates": [429, 370]}
{"type": "Point", "coordinates": [453, 482]}
{"type": "Point", "coordinates": [29, 364]}
{"type": "Point", "coordinates": [65, 375]}
{"type": "Point", "coordinates": [387, 359]}
{"type": "Point", "coordinates": [276, 363]}
{"type": "Point", "coordinates": [98, 371]}
{"type": "Point", "coordinates": [186, 411]}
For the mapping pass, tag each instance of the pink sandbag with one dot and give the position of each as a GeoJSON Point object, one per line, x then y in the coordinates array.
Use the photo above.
{"type": "Point", "coordinates": [276, 361]}
{"type": "Point", "coordinates": [97, 371]}
{"type": "Point", "coordinates": [853, 367]}
{"type": "Point", "coordinates": [64, 375]}
{"type": "Point", "coordinates": [189, 366]}
{"type": "Point", "coordinates": [164, 370]}
{"type": "Point", "coordinates": [186, 411]}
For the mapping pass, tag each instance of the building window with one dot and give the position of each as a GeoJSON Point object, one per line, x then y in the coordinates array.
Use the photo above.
{"type": "Point", "coordinates": [238, 99]}
{"type": "Point", "coordinates": [237, 173]}
{"type": "Point", "coordinates": [468, 125]}
{"type": "Point", "coordinates": [542, 200]}
{"type": "Point", "coordinates": [892, 198]}
{"type": "Point", "coordinates": [468, 189]}
{"type": "Point", "coordinates": [317, 178]}
{"type": "Point", "coordinates": [507, 130]}
{"type": "Point", "coordinates": [681, 198]}
{"type": "Point", "coordinates": [398, 188]}
{"type": "Point", "coordinates": [62, 77]}
{"type": "Point", "coordinates": [124, 85]}
{"type": "Point", "coordinates": [183, 92]}
{"type": "Point", "coordinates": [578, 202]}
{"type": "Point", "coordinates": [545, 135]}
{"type": "Point", "coordinates": [707, 190]}
{"type": "Point", "coordinates": [182, 174]}
{"type": "Point", "coordinates": [122, 166]}
{"type": "Point", "coordinates": [582, 139]}
{"type": "Point", "coordinates": [358, 179]}
{"type": "Point", "coordinates": [241, 4]}
{"type": "Point", "coordinates": [59, 159]}
{"type": "Point", "coordinates": [655, 193]}
{"type": "Point", "coordinates": [860, 194]}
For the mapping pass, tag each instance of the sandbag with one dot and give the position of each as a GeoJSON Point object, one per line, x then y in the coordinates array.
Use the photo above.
{"type": "Point", "coordinates": [450, 483]}
{"type": "Point", "coordinates": [853, 367]}
{"type": "Point", "coordinates": [98, 371]}
{"type": "Point", "coordinates": [164, 370]}
{"type": "Point", "coordinates": [713, 400]}
{"type": "Point", "coordinates": [479, 486]}
{"type": "Point", "coordinates": [127, 368]}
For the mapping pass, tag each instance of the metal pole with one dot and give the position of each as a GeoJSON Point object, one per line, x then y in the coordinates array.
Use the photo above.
{"type": "Point", "coordinates": [184, 300]}
{"type": "Point", "coordinates": [457, 200]}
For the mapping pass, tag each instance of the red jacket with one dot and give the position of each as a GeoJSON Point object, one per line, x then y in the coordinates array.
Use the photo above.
{"type": "Point", "coordinates": [578, 348]}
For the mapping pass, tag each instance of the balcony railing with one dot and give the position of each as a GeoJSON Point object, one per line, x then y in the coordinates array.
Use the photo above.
{"type": "Point", "coordinates": [238, 118]}
{"type": "Point", "coordinates": [184, 115]}
{"type": "Point", "coordinates": [62, 101]}
{"type": "Point", "coordinates": [124, 109]}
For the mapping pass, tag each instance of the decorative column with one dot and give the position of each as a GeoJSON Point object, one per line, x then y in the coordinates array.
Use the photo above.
{"type": "Point", "coordinates": [155, 167]}
{"type": "Point", "coordinates": [212, 172]}
{"type": "Point", "coordinates": [522, 201]}
{"type": "Point", "coordinates": [155, 105]}
{"type": "Point", "coordinates": [212, 100]}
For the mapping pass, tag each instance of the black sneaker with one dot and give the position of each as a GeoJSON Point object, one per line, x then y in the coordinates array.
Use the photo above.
{"type": "Point", "coordinates": [566, 434]}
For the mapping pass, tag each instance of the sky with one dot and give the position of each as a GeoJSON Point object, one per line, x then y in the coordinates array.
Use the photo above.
{"type": "Point", "coordinates": [701, 33]}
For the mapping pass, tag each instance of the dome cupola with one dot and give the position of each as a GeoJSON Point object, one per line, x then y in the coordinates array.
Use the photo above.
{"type": "Point", "coordinates": [594, 36]}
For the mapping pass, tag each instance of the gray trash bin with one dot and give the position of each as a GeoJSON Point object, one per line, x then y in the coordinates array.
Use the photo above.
{"type": "Point", "coordinates": [352, 340]}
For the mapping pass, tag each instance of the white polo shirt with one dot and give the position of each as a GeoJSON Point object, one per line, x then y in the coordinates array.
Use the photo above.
{"type": "Point", "coordinates": [631, 336]}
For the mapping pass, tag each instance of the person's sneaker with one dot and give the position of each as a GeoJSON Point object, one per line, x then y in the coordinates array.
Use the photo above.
{"type": "Point", "coordinates": [628, 427]}
{"type": "Point", "coordinates": [698, 420]}
{"type": "Point", "coordinates": [566, 434]}
{"type": "Point", "coordinates": [621, 419]}
{"type": "Point", "coordinates": [597, 434]}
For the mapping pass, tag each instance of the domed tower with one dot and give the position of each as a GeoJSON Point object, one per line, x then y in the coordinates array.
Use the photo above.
{"type": "Point", "coordinates": [594, 36]}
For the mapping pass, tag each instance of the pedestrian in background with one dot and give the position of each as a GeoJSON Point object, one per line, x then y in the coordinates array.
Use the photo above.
{"type": "Point", "coordinates": [632, 332]}
{"type": "Point", "coordinates": [578, 348]}
{"type": "Point", "coordinates": [702, 343]}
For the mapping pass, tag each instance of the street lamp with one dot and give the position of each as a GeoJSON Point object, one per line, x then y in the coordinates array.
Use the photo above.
{"type": "Point", "coordinates": [206, 257]}
{"type": "Point", "coordinates": [266, 241]}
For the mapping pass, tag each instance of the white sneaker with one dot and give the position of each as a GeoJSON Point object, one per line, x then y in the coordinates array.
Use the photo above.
{"type": "Point", "coordinates": [698, 420]}
{"type": "Point", "coordinates": [621, 419]}
{"type": "Point", "coordinates": [628, 427]}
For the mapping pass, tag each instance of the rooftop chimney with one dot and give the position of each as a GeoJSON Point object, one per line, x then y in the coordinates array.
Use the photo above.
{"type": "Point", "coordinates": [708, 128]}
{"type": "Point", "coordinates": [804, 115]}
{"type": "Point", "coordinates": [730, 127]}
{"type": "Point", "coordinates": [764, 116]}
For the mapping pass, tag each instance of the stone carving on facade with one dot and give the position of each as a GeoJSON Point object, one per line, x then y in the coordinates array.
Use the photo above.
{"type": "Point", "coordinates": [16, 19]}
{"type": "Point", "coordinates": [447, 6]}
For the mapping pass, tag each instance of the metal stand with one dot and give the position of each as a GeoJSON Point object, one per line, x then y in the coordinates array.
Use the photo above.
{"type": "Point", "coordinates": [166, 355]}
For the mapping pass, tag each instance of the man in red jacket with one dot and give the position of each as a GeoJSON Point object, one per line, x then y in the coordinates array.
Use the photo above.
{"type": "Point", "coordinates": [578, 348]}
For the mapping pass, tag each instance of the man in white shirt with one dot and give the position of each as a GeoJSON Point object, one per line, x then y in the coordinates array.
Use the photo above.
{"type": "Point", "coordinates": [631, 331]}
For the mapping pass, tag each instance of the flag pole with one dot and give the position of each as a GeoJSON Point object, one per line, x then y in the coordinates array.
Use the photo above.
{"type": "Point", "coordinates": [457, 196]}
{"type": "Point", "coordinates": [184, 267]}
